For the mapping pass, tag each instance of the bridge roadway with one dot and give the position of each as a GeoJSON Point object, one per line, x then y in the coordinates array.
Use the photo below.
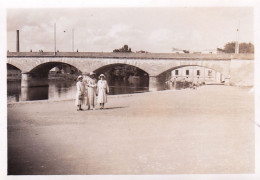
{"type": "Point", "coordinates": [238, 69]}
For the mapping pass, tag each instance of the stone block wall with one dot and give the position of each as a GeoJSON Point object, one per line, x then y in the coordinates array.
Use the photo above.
{"type": "Point", "coordinates": [242, 72]}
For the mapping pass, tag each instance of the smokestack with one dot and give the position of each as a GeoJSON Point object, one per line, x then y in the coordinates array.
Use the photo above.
{"type": "Point", "coordinates": [17, 41]}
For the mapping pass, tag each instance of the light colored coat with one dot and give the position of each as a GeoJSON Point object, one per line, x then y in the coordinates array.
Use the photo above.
{"type": "Point", "coordinates": [92, 91]}
{"type": "Point", "coordinates": [103, 89]}
{"type": "Point", "coordinates": [80, 92]}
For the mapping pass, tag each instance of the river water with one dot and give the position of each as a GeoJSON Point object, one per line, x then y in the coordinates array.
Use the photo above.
{"type": "Point", "coordinates": [60, 90]}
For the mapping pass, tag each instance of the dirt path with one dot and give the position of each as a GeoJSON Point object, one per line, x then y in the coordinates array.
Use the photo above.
{"type": "Point", "coordinates": [209, 130]}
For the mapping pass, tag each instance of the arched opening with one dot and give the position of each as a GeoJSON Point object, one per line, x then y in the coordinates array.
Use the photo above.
{"type": "Point", "coordinates": [56, 70]}
{"type": "Point", "coordinates": [52, 80]}
{"type": "Point", "coordinates": [13, 72]}
{"type": "Point", "coordinates": [13, 83]}
{"type": "Point", "coordinates": [59, 77]}
{"type": "Point", "coordinates": [124, 78]}
{"type": "Point", "coordinates": [188, 75]}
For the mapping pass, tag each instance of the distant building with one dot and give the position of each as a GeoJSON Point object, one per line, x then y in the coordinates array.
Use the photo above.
{"type": "Point", "coordinates": [209, 51]}
{"type": "Point", "coordinates": [220, 51]}
{"type": "Point", "coordinates": [196, 52]}
{"type": "Point", "coordinates": [192, 73]}
{"type": "Point", "coordinates": [54, 70]}
{"type": "Point", "coordinates": [141, 51]}
{"type": "Point", "coordinates": [13, 73]}
{"type": "Point", "coordinates": [177, 51]}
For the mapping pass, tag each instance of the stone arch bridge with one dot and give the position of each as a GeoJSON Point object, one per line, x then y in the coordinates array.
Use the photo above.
{"type": "Point", "coordinates": [236, 68]}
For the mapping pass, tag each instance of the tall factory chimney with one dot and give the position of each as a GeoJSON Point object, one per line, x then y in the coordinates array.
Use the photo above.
{"type": "Point", "coordinates": [17, 41]}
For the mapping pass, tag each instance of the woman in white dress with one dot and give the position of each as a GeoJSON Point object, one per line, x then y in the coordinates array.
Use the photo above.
{"type": "Point", "coordinates": [103, 90]}
{"type": "Point", "coordinates": [92, 91]}
{"type": "Point", "coordinates": [80, 93]}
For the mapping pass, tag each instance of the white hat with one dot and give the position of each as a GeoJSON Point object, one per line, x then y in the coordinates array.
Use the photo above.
{"type": "Point", "coordinates": [80, 77]}
{"type": "Point", "coordinates": [101, 75]}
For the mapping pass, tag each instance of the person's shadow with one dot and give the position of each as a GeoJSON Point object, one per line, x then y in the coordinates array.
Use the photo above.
{"type": "Point", "coordinates": [108, 108]}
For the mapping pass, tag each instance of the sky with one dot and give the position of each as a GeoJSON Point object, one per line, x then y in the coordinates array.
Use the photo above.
{"type": "Point", "coordinates": [151, 29]}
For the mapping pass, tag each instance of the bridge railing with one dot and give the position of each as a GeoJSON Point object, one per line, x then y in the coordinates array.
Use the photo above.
{"type": "Point", "coordinates": [132, 55]}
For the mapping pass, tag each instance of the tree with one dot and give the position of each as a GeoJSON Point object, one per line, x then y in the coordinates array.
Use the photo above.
{"type": "Point", "coordinates": [246, 48]}
{"type": "Point", "coordinates": [219, 50]}
{"type": "Point", "coordinates": [243, 47]}
{"type": "Point", "coordinates": [124, 49]}
{"type": "Point", "coordinates": [230, 47]}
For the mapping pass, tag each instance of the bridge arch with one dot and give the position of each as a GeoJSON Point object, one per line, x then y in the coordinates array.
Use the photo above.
{"type": "Point", "coordinates": [13, 66]}
{"type": "Point", "coordinates": [101, 64]}
{"type": "Point", "coordinates": [46, 67]}
{"type": "Point", "coordinates": [38, 76]}
{"type": "Point", "coordinates": [13, 72]}
{"type": "Point", "coordinates": [183, 66]}
{"type": "Point", "coordinates": [221, 66]}
{"type": "Point", "coordinates": [109, 66]}
{"type": "Point", "coordinates": [192, 73]}
{"type": "Point", "coordinates": [124, 75]}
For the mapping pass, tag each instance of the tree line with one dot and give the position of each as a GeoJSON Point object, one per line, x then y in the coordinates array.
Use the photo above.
{"type": "Point", "coordinates": [243, 48]}
{"type": "Point", "coordinates": [228, 48]}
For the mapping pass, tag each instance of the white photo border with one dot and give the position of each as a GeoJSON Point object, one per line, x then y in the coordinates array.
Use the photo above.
{"type": "Point", "coordinates": [5, 4]}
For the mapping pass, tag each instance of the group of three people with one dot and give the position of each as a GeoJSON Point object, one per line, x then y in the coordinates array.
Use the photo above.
{"type": "Point", "coordinates": [91, 92]}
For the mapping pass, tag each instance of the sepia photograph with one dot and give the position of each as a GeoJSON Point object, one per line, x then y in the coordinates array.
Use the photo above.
{"type": "Point", "coordinates": [130, 90]}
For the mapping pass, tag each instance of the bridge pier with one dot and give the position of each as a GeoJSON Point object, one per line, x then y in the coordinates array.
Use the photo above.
{"type": "Point", "coordinates": [153, 83]}
{"type": "Point", "coordinates": [34, 93]}
{"type": "Point", "coordinates": [156, 83]}
{"type": "Point", "coordinates": [34, 80]}
{"type": "Point", "coordinates": [25, 94]}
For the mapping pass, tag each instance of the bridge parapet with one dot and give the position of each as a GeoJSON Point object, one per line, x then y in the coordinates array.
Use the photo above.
{"type": "Point", "coordinates": [149, 56]}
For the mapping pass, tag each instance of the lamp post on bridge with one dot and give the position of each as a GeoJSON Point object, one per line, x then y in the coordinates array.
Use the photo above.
{"type": "Point", "coordinates": [72, 40]}
{"type": "Point", "coordinates": [237, 43]}
{"type": "Point", "coordinates": [72, 32]}
{"type": "Point", "coordinates": [237, 40]}
{"type": "Point", "coordinates": [54, 38]}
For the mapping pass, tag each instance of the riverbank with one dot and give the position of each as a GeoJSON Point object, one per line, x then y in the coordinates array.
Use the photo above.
{"type": "Point", "coordinates": [73, 99]}
{"type": "Point", "coordinates": [208, 130]}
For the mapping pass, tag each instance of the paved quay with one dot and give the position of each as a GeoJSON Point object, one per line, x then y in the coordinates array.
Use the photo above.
{"type": "Point", "coordinates": [205, 131]}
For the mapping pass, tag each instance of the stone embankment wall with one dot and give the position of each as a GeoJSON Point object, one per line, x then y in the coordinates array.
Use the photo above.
{"type": "Point", "coordinates": [242, 72]}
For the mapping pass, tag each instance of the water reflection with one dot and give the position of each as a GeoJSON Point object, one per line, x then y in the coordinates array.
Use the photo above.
{"type": "Point", "coordinates": [127, 87]}
{"type": "Point", "coordinates": [58, 90]}
{"type": "Point", "coordinates": [13, 91]}
{"type": "Point", "coordinates": [177, 85]}
{"type": "Point", "coordinates": [34, 93]}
